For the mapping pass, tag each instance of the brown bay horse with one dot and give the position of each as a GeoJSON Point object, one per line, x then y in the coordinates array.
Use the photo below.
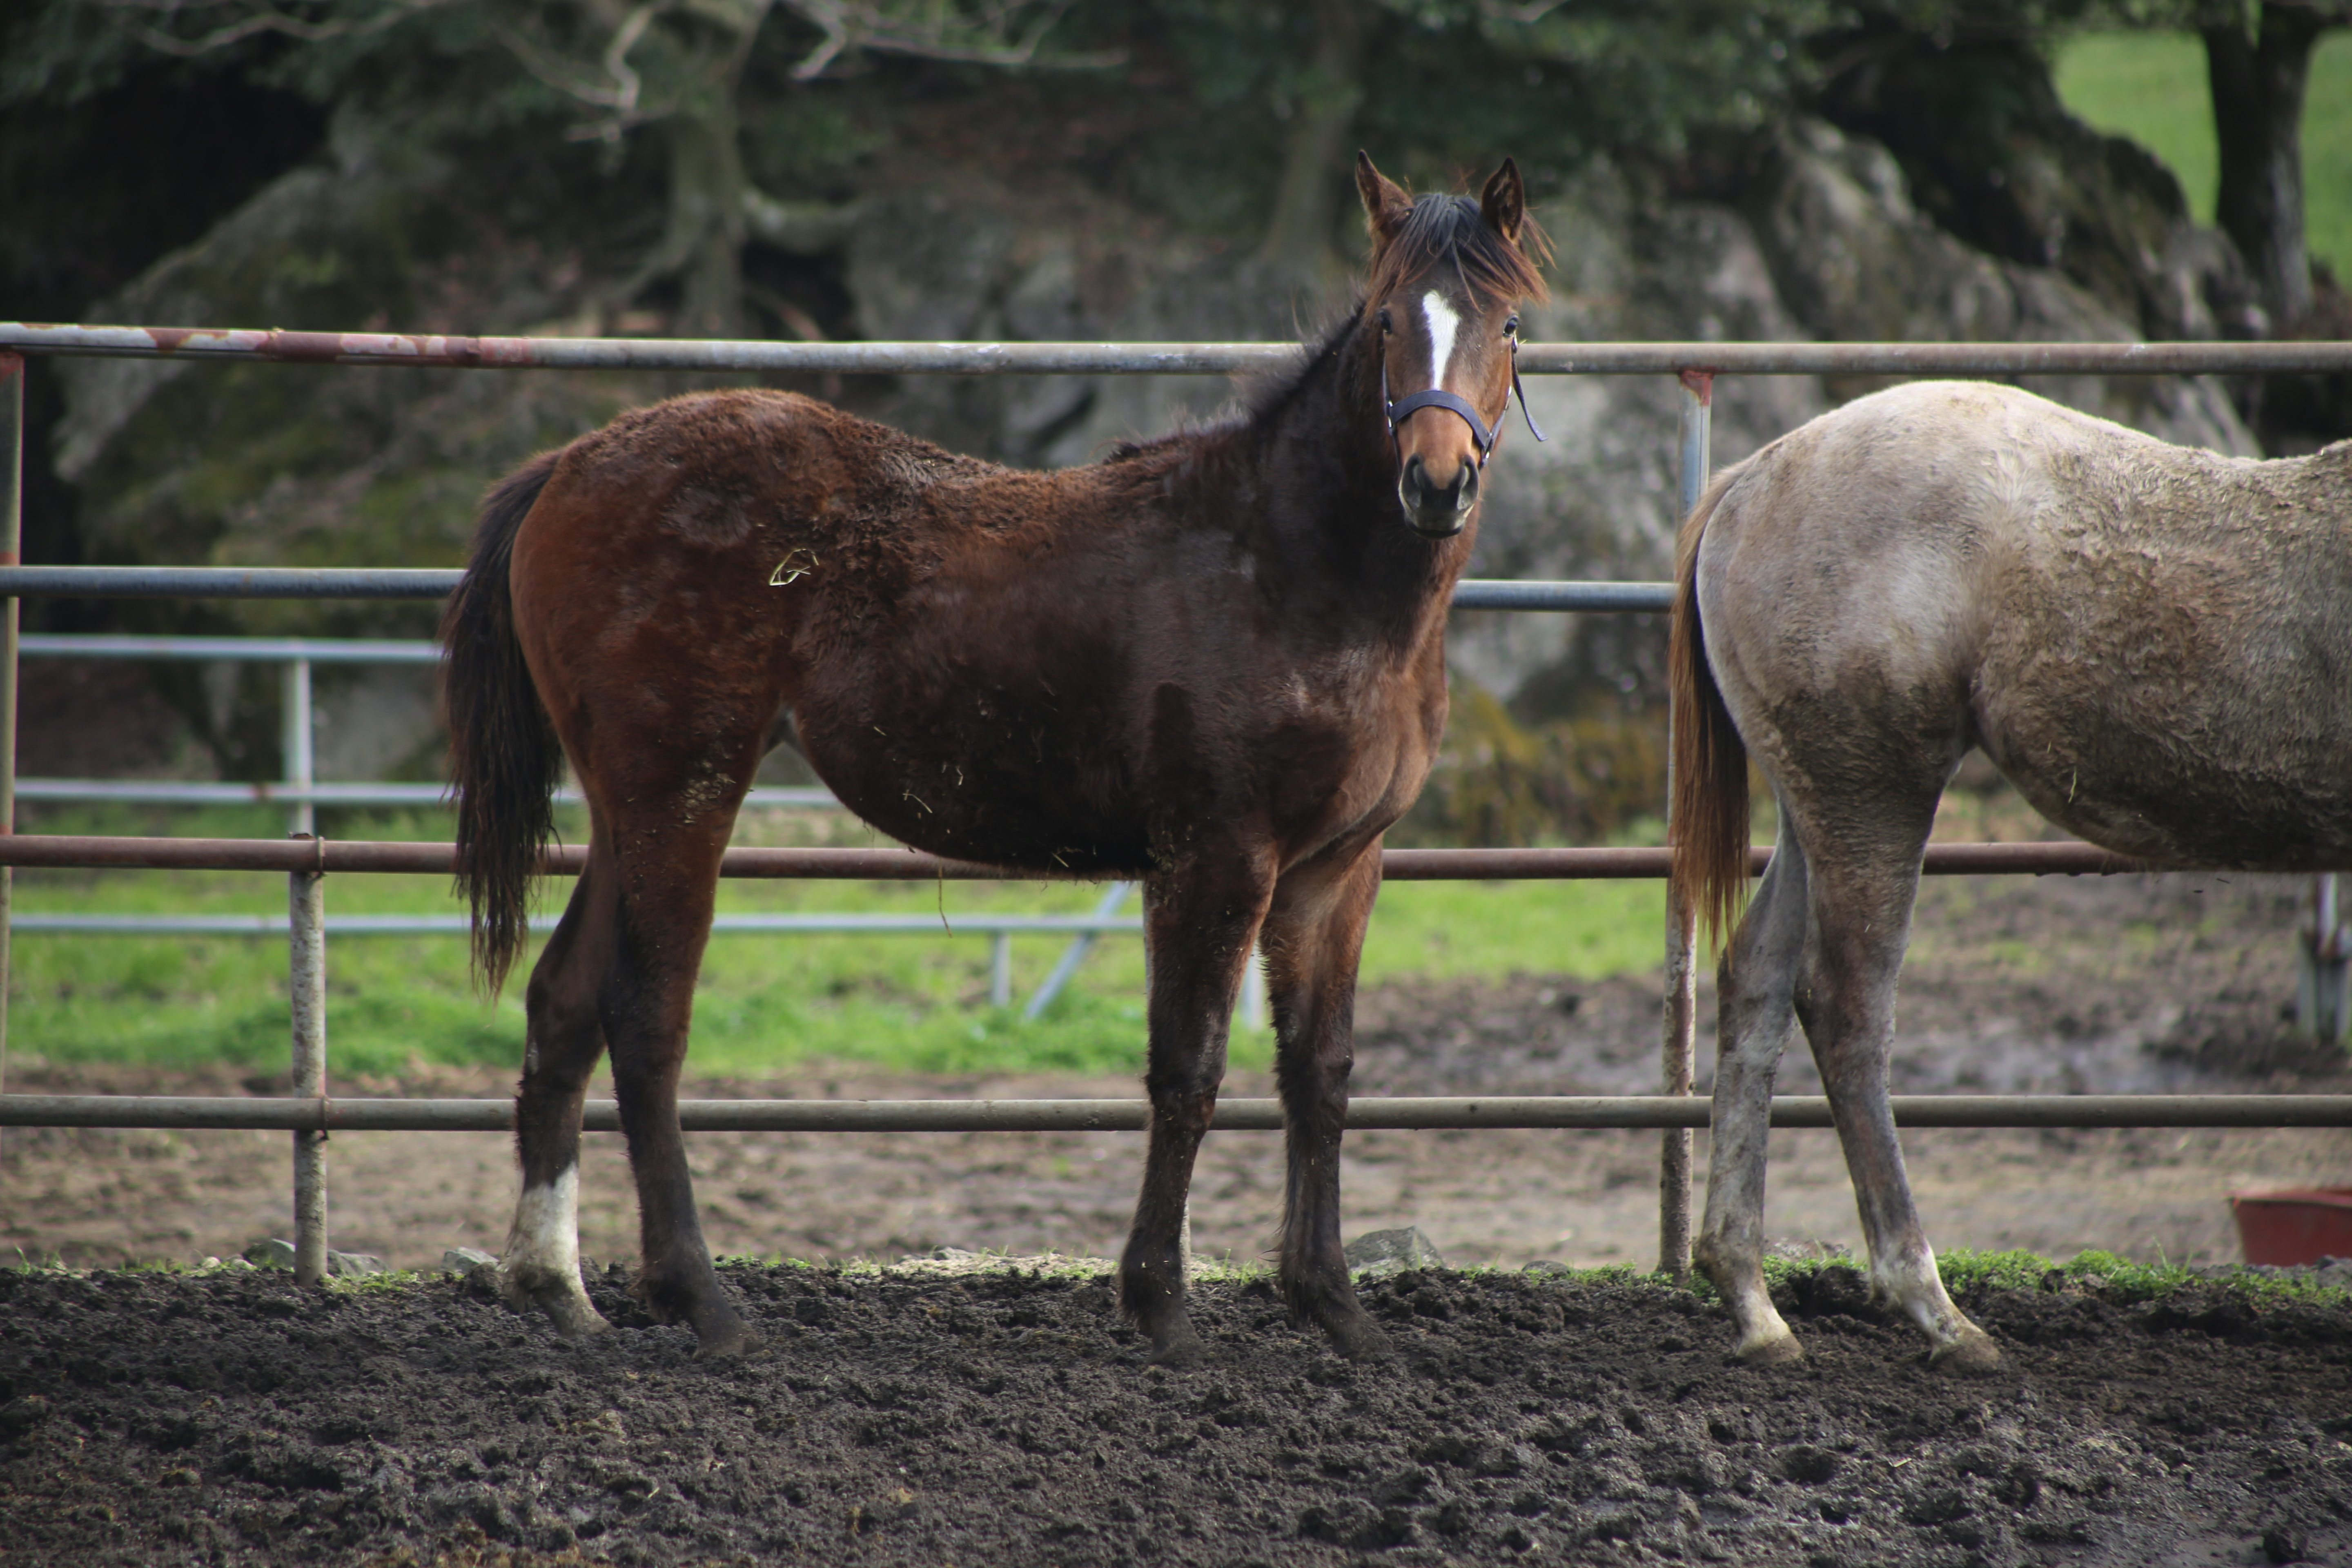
{"type": "Point", "coordinates": [1213, 662]}
{"type": "Point", "coordinates": [2153, 644]}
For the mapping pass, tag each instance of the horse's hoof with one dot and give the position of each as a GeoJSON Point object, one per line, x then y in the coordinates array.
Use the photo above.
{"type": "Point", "coordinates": [1973, 1354]}
{"type": "Point", "coordinates": [573, 1318]}
{"type": "Point", "coordinates": [1783, 1351]}
{"type": "Point", "coordinates": [1179, 1351]}
{"type": "Point", "coordinates": [736, 1341]}
{"type": "Point", "coordinates": [1361, 1339]}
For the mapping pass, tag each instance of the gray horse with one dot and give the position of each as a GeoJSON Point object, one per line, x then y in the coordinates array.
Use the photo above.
{"type": "Point", "coordinates": [2153, 644]}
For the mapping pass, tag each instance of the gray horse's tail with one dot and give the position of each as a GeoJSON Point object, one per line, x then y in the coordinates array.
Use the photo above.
{"type": "Point", "coordinates": [1708, 820]}
{"type": "Point", "coordinates": [504, 757]}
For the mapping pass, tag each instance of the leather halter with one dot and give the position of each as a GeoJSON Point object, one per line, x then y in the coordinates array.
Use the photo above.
{"type": "Point", "coordinates": [1404, 407]}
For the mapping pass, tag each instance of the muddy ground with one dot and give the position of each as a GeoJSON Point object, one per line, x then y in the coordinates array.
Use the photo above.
{"type": "Point", "coordinates": [921, 1416]}
{"type": "Point", "coordinates": [1006, 1419]}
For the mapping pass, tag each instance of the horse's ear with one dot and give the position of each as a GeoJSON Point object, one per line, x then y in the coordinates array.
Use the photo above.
{"type": "Point", "coordinates": [1386, 205]}
{"type": "Point", "coordinates": [1504, 202]}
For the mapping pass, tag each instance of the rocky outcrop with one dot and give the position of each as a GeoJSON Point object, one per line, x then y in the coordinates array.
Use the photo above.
{"type": "Point", "coordinates": [266, 463]}
{"type": "Point", "coordinates": [1857, 261]}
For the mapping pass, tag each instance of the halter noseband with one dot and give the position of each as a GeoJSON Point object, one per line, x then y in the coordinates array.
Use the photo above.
{"type": "Point", "coordinates": [1404, 407]}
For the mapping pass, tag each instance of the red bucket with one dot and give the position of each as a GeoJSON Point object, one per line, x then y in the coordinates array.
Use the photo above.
{"type": "Point", "coordinates": [2294, 1225]}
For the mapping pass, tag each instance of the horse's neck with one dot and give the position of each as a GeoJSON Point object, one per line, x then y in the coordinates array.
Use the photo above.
{"type": "Point", "coordinates": [1323, 473]}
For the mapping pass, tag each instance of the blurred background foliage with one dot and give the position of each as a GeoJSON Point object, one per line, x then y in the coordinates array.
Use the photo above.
{"type": "Point", "coordinates": [810, 169]}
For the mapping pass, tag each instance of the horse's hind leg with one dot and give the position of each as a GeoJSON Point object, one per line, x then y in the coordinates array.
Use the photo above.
{"type": "Point", "coordinates": [1756, 985]}
{"type": "Point", "coordinates": [668, 864]}
{"type": "Point", "coordinates": [1314, 937]}
{"type": "Point", "coordinates": [1862, 921]}
{"type": "Point", "coordinates": [540, 1265]}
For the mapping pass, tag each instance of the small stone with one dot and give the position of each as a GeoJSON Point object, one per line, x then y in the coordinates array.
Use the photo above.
{"type": "Point", "coordinates": [271, 1253]}
{"type": "Point", "coordinates": [1380, 1253]}
{"type": "Point", "coordinates": [464, 1261]}
{"type": "Point", "coordinates": [355, 1264]}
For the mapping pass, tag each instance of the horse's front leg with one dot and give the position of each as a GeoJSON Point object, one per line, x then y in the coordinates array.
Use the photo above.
{"type": "Point", "coordinates": [1201, 920]}
{"type": "Point", "coordinates": [1314, 939]}
{"type": "Point", "coordinates": [1755, 984]}
{"type": "Point", "coordinates": [540, 1265]}
{"type": "Point", "coordinates": [1861, 917]}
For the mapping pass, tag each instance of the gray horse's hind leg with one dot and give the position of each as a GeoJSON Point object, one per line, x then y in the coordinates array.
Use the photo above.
{"type": "Point", "coordinates": [1755, 1016]}
{"type": "Point", "coordinates": [1862, 921]}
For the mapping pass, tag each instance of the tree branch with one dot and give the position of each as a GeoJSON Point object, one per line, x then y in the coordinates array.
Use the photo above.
{"type": "Point", "coordinates": [991, 33]}
{"type": "Point", "coordinates": [252, 18]}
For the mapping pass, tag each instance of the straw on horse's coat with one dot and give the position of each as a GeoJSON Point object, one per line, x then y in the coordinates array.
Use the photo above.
{"type": "Point", "coordinates": [1214, 662]}
{"type": "Point", "coordinates": [2154, 644]}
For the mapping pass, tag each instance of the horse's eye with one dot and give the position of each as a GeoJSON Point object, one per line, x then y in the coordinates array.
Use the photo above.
{"type": "Point", "coordinates": [1387, 325]}
{"type": "Point", "coordinates": [1511, 328]}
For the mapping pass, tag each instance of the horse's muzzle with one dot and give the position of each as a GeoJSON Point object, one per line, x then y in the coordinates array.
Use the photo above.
{"type": "Point", "coordinates": [1435, 511]}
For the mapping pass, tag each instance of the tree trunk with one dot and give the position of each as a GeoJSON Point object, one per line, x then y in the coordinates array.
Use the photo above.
{"type": "Point", "coordinates": [1314, 155]}
{"type": "Point", "coordinates": [2258, 90]}
{"type": "Point", "coordinates": [702, 242]}
{"type": "Point", "coordinates": [706, 217]}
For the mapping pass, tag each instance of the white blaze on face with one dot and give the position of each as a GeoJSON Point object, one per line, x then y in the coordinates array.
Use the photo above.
{"type": "Point", "coordinates": [1443, 324]}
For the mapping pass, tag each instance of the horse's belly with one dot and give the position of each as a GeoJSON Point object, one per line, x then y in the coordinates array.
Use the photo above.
{"type": "Point", "coordinates": [2154, 791]}
{"type": "Point", "coordinates": [1001, 800]}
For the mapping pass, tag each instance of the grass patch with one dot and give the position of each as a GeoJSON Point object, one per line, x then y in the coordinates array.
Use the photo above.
{"type": "Point", "coordinates": [1966, 1270]}
{"type": "Point", "coordinates": [765, 1003]}
{"type": "Point", "coordinates": [2151, 87]}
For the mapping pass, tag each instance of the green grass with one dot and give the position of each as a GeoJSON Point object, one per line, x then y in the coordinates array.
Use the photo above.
{"type": "Point", "coordinates": [765, 1004]}
{"type": "Point", "coordinates": [2151, 87]}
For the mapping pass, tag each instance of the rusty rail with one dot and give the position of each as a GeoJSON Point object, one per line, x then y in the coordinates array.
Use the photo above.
{"type": "Point", "coordinates": [71, 852]}
{"type": "Point", "coordinates": [323, 1114]}
{"type": "Point", "coordinates": [422, 351]}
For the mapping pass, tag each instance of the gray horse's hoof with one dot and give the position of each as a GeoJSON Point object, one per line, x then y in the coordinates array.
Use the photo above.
{"type": "Point", "coordinates": [568, 1310]}
{"type": "Point", "coordinates": [1973, 1354]}
{"type": "Point", "coordinates": [1782, 1351]}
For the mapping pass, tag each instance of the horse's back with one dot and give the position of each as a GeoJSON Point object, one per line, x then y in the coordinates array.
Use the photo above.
{"type": "Point", "coordinates": [2153, 642]}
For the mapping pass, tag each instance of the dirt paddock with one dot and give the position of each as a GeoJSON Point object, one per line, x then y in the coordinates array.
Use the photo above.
{"type": "Point", "coordinates": [921, 1416]}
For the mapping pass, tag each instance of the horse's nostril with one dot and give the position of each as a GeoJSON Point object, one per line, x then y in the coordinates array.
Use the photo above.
{"type": "Point", "coordinates": [1416, 475]}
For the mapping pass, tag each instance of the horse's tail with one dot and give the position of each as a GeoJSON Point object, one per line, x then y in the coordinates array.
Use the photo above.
{"type": "Point", "coordinates": [504, 757]}
{"type": "Point", "coordinates": [1707, 820]}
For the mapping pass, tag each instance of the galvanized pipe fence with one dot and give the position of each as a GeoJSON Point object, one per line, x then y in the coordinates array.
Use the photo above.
{"type": "Point", "coordinates": [311, 1114]}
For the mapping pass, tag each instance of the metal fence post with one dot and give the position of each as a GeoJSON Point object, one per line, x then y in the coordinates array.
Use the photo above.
{"type": "Point", "coordinates": [1075, 954]}
{"type": "Point", "coordinates": [1680, 1049]}
{"type": "Point", "coordinates": [294, 727]}
{"type": "Point", "coordinates": [12, 529]}
{"type": "Point", "coordinates": [1000, 970]}
{"type": "Point", "coordinates": [2323, 975]}
{"type": "Point", "coordinates": [306, 991]}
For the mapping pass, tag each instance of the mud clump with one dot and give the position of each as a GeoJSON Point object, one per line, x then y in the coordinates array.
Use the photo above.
{"type": "Point", "coordinates": [998, 1417]}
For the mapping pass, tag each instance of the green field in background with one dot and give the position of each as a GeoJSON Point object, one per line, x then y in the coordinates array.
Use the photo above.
{"type": "Point", "coordinates": [766, 1003]}
{"type": "Point", "coordinates": [2151, 87]}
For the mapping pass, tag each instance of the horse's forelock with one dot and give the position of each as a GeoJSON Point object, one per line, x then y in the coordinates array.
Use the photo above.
{"type": "Point", "coordinates": [1449, 232]}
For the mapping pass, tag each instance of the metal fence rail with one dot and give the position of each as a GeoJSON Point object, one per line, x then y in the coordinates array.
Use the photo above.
{"type": "Point", "coordinates": [358, 583]}
{"type": "Point", "coordinates": [1365, 1112]}
{"type": "Point", "coordinates": [312, 1114]}
{"type": "Point", "coordinates": [425, 352]}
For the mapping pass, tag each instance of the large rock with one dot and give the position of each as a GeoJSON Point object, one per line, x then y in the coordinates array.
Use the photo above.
{"type": "Point", "coordinates": [181, 463]}
{"type": "Point", "coordinates": [1857, 261]}
{"type": "Point", "coordinates": [266, 464]}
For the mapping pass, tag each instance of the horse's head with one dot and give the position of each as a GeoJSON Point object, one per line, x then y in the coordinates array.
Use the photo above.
{"type": "Point", "coordinates": [1447, 278]}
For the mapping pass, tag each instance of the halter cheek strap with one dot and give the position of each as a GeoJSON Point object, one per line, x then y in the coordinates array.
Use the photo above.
{"type": "Point", "coordinates": [1404, 407]}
